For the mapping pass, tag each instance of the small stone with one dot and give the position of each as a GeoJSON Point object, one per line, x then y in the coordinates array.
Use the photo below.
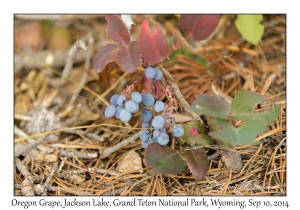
{"type": "Point", "coordinates": [130, 162]}
{"type": "Point", "coordinates": [232, 160]}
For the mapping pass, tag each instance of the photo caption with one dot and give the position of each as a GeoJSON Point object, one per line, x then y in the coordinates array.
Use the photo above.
{"type": "Point", "coordinates": [216, 203]}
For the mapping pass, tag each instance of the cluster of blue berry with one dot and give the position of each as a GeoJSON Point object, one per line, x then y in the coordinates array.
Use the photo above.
{"type": "Point", "coordinates": [153, 73]}
{"type": "Point", "coordinates": [159, 134]}
{"type": "Point", "coordinates": [123, 109]}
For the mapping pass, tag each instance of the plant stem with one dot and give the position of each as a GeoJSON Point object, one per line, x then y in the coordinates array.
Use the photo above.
{"type": "Point", "coordinates": [168, 77]}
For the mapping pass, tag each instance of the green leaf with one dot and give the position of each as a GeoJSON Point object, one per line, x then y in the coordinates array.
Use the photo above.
{"type": "Point", "coordinates": [242, 108]}
{"type": "Point", "coordinates": [194, 134]}
{"type": "Point", "coordinates": [170, 40]}
{"type": "Point", "coordinates": [205, 63]}
{"type": "Point", "coordinates": [213, 105]}
{"type": "Point", "coordinates": [225, 144]}
{"type": "Point", "coordinates": [245, 134]}
{"type": "Point", "coordinates": [164, 159]}
{"type": "Point", "coordinates": [197, 162]}
{"type": "Point", "coordinates": [250, 27]}
{"type": "Point", "coordinates": [265, 118]}
{"type": "Point", "coordinates": [245, 101]}
{"type": "Point", "coordinates": [190, 55]}
{"type": "Point", "coordinates": [213, 126]}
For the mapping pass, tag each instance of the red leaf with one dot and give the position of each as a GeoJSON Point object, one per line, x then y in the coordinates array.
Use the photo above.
{"type": "Point", "coordinates": [147, 88]}
{"type": "Point", "coordinates": [164, 159]}
{"type": "Point", "coordinates": [154, 46]}
{"type": "Point", "coordinates": [129, 57]}
{"type": "Point", "coordinates": [197, 162]}
{"type": "Point", "coordinates": [116, 29]}
{"type": "Point", "coordinates": [106, 54]}
{"type": "Point", "coordinates": [199, 26]}
{"type": "Point", "coordinates": [159, 91]}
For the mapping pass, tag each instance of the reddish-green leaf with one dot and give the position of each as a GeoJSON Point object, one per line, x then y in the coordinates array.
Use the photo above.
{"type": "Point", "coordinates": [194, 134]}
{"type": "Point", "coordinates": [164, 159]}
{"type": "Point", "coordinates": [106, 54]}
{"type": "Point", "coordinates": [154, 46]}
{"type": "Point", "coordinates": [197, 162]}
{"type": "Point", "coordinates": [213, 105]}
{"type": "Point", "coordinates": [199, 26]}
{"type": "Point", "coordinates": [129, 57]}
{"type": "Point", "coordinates": [116, 29]}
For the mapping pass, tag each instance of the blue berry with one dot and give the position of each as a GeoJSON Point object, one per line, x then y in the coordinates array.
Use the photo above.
{"type": "Point", "coordinates": [158, 122]}
{"type": "Point", "coordinates": [158, 75]}
{"type": "Point", "coordinates": [121, 100]}
{"type": "Point", "coordinates": [178, 131]}
{"type": "Point", "coordinates": [119, 109]}
{"type": "Point", "coordinates": [146, 143]}
{"type": "Point", "coordinates": [110, 111]}
{"type": "Point", "coordinates": [159, 106]}
{"type": "Point", "coordinates": [125, 115]}
{"type": "Point", "coordinates": [131, 106]}
{"type": "Point", "coordinates": [148, 99]}
{"type": "Point", "coordinates": [156, 133]}
{"type": "Point", "coordinates": [163, 139]}
{"type": "Point", "coordinates": [150, 72]}
{"type": "Point", "coordinates": [144, 135]}
{"type": "Point", "coordinates": [162, 130]}
{"type": "Point", "coordinates": [113, 99]}
{"type": "Point", "coordinates": [146, 125]}
{"type": "Point", "coordinates": [146, 115]}
{"type": "Point", "coordinates": [136, 97]}
{"type": "Point", "coordinates": [137, 108]}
